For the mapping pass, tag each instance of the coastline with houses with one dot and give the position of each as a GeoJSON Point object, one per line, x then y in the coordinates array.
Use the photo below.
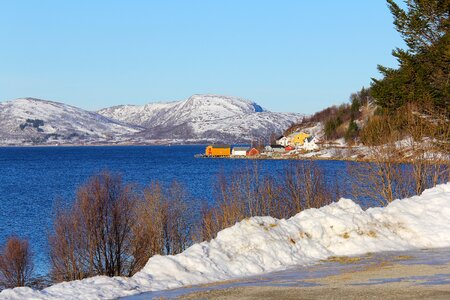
{"type": "Point", "coordinates": [283, 147]}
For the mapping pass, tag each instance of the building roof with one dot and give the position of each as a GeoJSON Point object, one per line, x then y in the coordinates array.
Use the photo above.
{"type": "Point", "coordinates": [220, 146]}
{"type": "Point", "coordinates": [253, 151]}
{"type": "Point", "coordinates": [309, 139]}
{"type": "Point", "coordinates": [241, 148]}
{"type": "Point", "coordinates": [294, 134]}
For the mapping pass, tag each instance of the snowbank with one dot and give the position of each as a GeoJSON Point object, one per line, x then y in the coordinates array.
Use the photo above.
{"type": "Point", "coordinates": [264, 244]}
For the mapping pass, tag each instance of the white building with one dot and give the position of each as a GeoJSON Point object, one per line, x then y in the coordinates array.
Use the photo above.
{"type": "Point", "coordinates": [310, 144]}
{"type": "Point", "coordinates": [275, 148]}
{"type": "Point", "coordinates": [239, 151]}
{"type": "Point", "coordinates": [283, 141]}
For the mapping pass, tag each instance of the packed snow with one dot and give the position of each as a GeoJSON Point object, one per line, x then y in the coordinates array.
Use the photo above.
{"type": "Point", "coordinates": [263, 244]}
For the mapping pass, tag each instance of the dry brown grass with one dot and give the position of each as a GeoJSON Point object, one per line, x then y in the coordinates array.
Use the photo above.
{"type": "Point", "coordinates": [343, 259]}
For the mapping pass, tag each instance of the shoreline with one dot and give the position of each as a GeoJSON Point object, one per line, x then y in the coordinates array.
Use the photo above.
{"type": "Point", "coordinates": [250, 158]}
{"type": "Point", "coordinates": [318, 158]}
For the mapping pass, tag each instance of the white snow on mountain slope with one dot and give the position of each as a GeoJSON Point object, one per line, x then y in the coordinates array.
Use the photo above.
{"type": "Point", "coordinates": [263, 244]}
{"type": "Point", "coordinates": [204, 117]}
{"type": "Point", "coordinates": [196, 108]}
{"type": "Point", "coordinates": [30, 120]}
{"type": "Point", "coordinates": [201, 118]}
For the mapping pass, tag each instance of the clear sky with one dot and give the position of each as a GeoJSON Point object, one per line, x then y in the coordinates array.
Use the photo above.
{"type": "Point", "coordinates": [297, 56]}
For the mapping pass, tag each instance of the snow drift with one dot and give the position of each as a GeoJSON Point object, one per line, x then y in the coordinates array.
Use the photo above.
{"type": "Point", "coordinates": [263, 244]}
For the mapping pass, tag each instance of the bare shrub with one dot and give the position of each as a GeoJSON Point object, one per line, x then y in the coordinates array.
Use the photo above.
{"type": "Point", "coordinates": [388, 177]}
{"type": "Point", "coordinates": [229, 206]}
{"type": "Point", "coordinates": [16, 266]}
{"type": "Point", "coordinates": [427, 133]}
{"type": "Point", "coordinates": [402, 164]}
{"type": "Point", "coordinates": [94, 236]}
{"type": "Point", "coordinates": [163, 222]}
{"type": "Point", "coordinates": [378, 183]}
{"type": "Point", "coordinates": [305, 187]}
{"type": "Point", "coordinates": [248, 193]}
{"type": "Point", "coordinates": [376, 131]}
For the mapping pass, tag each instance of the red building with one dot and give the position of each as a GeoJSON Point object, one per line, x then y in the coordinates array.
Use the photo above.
{"type": "Point", "coordinates": [253, 152]}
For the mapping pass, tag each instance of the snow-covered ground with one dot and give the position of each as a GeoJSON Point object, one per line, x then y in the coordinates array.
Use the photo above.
{"type": "Point", "coordinates": [264, 244]}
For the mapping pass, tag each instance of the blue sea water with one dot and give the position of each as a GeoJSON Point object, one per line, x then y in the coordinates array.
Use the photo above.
{"type": "Point", "coordinates": [33, 178]}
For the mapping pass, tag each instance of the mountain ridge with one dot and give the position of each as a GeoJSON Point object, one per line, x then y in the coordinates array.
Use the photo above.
{"type": "Point", "coordinates": [200, 118]}
{"type": "Point", "coordinates": [231, 118]}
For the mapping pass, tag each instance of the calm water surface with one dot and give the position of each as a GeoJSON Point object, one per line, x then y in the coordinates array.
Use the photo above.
{"type": "Point", "coordinates": [31, 179]}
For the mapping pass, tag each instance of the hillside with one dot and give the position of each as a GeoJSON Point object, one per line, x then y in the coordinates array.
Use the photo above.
{"type": "Point", "coordinates": [363, 130]}
{"type": "Point", "coordinates": [199, 119]}
{"type": "Point", "coordinates": [204, 118]}
{"type": "Point", "coordinates": [196, 108]}
{"type": "Point", "coordinates": [33, 121]}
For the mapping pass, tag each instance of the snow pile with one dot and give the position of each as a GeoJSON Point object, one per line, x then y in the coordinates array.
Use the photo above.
{"type": "Point", "coordinates": [264, 244]}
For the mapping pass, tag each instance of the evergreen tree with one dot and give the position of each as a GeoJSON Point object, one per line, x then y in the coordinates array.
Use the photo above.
{"type": "Point", "coordinates": [352, 131]}
{"type": "Point", "coordinates": [424, 68]}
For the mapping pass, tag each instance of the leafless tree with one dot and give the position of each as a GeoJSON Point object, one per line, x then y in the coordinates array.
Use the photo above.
{"type": "Point", "coordinates": [94, 236]}
{"type": "Point", "coordinates": [163, 224]}
{"type": "Point", "coordinates": [249, 193]}
{"type": "Point", "coordinates": [16, 265]}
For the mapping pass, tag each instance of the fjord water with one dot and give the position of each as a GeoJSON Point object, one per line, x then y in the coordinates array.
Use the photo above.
{"type": "Point", "coordinates": [33, 178]}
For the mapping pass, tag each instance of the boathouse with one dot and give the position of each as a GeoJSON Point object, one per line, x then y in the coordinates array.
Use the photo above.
{"type": "Point", "coordinates": [218, 150]}
{"type": "Point", "coordinates": [253, 152]}
{"type": "Point", "coordinates": [239, 151]}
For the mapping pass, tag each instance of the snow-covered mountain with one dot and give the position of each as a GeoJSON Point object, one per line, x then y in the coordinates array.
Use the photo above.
{"type": "Point", "coordinates": [203, 118]}
{"type": "Point", "coordinates": [33, 121]}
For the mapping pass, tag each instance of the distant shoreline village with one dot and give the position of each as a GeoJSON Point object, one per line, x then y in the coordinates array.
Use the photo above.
{"type": "Point", "coordinates": [283, 147]}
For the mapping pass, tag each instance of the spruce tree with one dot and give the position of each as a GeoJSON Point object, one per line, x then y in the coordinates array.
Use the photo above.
{"type": "Point", "coordinates": [423, 73]}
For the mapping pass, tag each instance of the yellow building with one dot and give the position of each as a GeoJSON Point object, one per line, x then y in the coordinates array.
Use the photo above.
{"type": "Point", "coordinates": [299, 138]}
{"type": "Point", "coordinates": [218, 150]}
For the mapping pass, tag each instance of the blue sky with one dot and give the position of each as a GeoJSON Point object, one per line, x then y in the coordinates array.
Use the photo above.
{"type": "Point", "coordinates": [297, 56]}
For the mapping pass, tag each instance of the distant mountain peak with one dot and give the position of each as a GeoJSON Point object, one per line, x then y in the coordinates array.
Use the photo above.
{"type": "Point", "coordinates": [257, 107]}
{"type": "Point", "coordinates": [199, 119]}
{"type": "Point", "coordinates": [32, 121]}
{"type": "Point", "coordinates": [204, 117]}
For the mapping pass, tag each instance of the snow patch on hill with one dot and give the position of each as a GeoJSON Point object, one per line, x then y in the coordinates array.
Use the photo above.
{"type": "Point", "coordinates": [35, 121]}
{"type": "Point", "coordinates": [204, 117]}
{"type": "Point", "coordinates": [199, 119]}
{"type": "Point", "coordinates": [264, 244]}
